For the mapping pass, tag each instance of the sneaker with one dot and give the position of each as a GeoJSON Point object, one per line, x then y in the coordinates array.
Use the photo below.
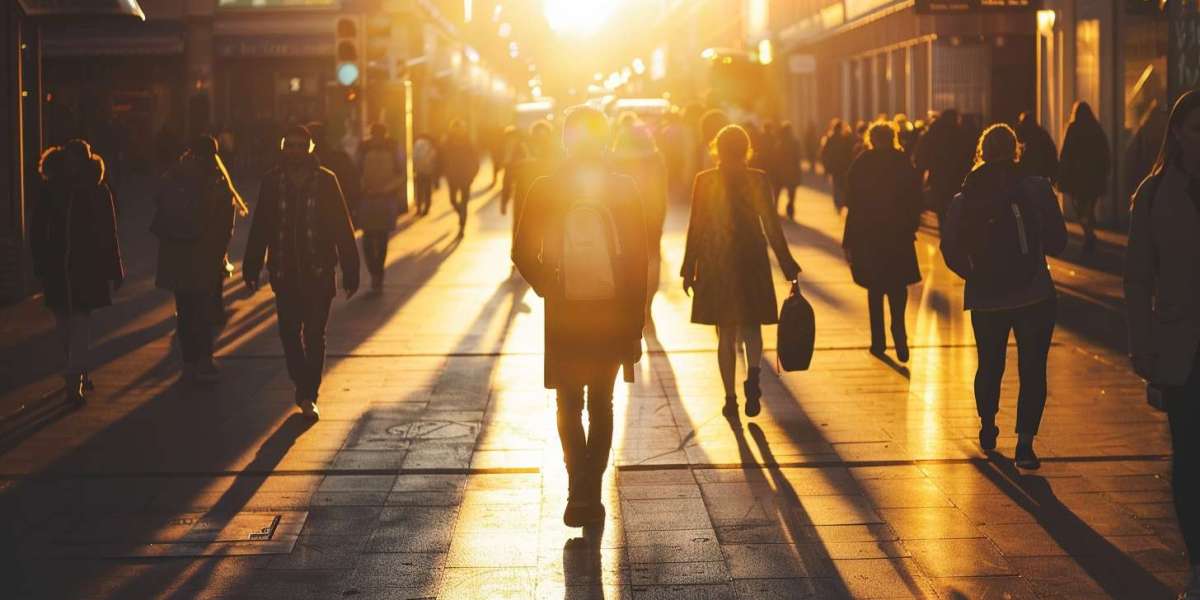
{"type": "Point", "coordinates": [730, 410]}
{"type": "Point", "coordinates": [987, 436]}
{"type": "Point", "coordinates": [753, 394]}
{"type": "Point", "coordinates": [1026, 458]}
{"type": "Point", "coordinates": [902, 351]}
{"type": "Point", "coordinates": [308, 408]}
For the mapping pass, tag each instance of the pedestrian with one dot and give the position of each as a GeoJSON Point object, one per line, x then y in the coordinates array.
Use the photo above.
{"type": "Point", "coordinates": [508, 149]}
{"type": "Point", "coordinates": [1083, 168]}
{"type": "Point", "coordinates": [733, 220]}
{"type": "Point", "coordinates": [943, 159]}
{"type": "Point", "coordinates": [883, 202]}
{"type": "Point", "coordinates": [426, 171]}
{"type": "Point", "coordinates": [545, 155]}
{"type": "Point", "coordinates": [996, 236]}
{"type": "Point", "coordinates": [812, 146]}
{"type": "Point", "coordinates": [1160, 293]}
{"type": "Point", "coordinates": [860, 140]}
{"type": "Point", "coordinates": [514, 155]}
{"type": "Point", "coordinates": [837, 148]}
{"type": "Point", "coordinates": [381, 162]}
{"type": "Point", "coordinates": [302, 227]}
{"type": "Point", "coordinates": [337, 159]}
{"type": "Point", "coordinates": [581, 245]}
{"type": "Point", "coordinates": [1039, 155]}
{"type": "Point", "coordinates": [711, 123]}
{"type": "Point", "coordinates": [196, 206]}
{"type": "Point", "coordinates": [460, 165]}
{"type": "Point", "coordinates": [908, 134]}
{"type": "Point", "coordinates": [788, 173]}
{"type": "Point", "coordinates": [76, 253]}
{"type": "Point", "coordinates": [635, 154]}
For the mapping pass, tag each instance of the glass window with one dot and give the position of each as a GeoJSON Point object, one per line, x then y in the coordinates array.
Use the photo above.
{"type": "Point", "coordinates": [1087, 62]}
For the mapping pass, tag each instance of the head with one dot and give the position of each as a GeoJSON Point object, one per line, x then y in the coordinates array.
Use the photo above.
{"type": "Point", "coordinates": [202, 149]}
{"type": "Point", "coordinates": [1082, 111]}
{"type": "Point", "coordinates": [711, 124]}
{"type": "Point", "coordinates": [316, 130]}
{"type": "Point", "coordinates": [998, 144]}
{"type": "Point", "coordinates": [541, 138]}
{"type": "Point", "coordinates": [1182, 139]}
{"type": "Point", "coordinates": [585, 133]}
{"type": "Point", "coordinates": [883, 135]}
{"type": "Point", "coordinates": [297, 145]}
{"type": "Point", "coordinates": [379, 131]}
{"type": "Point", "coordinates": [732, 146]}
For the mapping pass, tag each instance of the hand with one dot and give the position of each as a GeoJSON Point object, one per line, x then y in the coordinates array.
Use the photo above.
{"type": "Point", "coordinates": [688, 284]}
{"type": "Point", "coordinates": [634, 353]}
{"type": "Point", "coordinates": [1143, 365]}
{"type": "Point", "coordinates": [251, 281]}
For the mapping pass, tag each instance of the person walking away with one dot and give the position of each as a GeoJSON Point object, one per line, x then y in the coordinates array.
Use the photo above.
{"type": "Point", "coordinates": [460, 165]}
{"type": "Point", "coordinates": [581, 245]}
{"type": "Point", "coordinates": [943, 159]}
{"type": "Point", "coordinates": [196, 207]}
{"type": "Point", "coordinates": [1160, 299]}
{"type": "Point", "coordinates": [509, 149]}
{"type": "Point", "coordinates": [634, 153]}
{"type": "Point", "coordinates": [733, 221]}
{"type": "Point", "coordinates": [426, 171]}
{"type": "Point", "coordinates": [334, 157]}
{"type": "Point", "coordinates": [883, 202]}
{"type": "Point", "coordinates": [383, 188]}
{"type": "Point", "coordinates": [302, 228]}
{"type": "Point", "coordinates": [789, 175]}
{"type": "Point", "coordinates": [1083, 168]}
{"type": "Point", "coordinates": [1039, 155]}
{"type": "Point", "coordinates": [996, 236]}
{"type": "Point", "coordinates": [837, 149]}
{"type": "Point", "coordinates": [508, 185]}
{"type": "Point", "coordinates": [76, 253]}
{"type": "Point", "coordinates": [545, 156]}
{"type": "Point", "coordinates": [711, 123]}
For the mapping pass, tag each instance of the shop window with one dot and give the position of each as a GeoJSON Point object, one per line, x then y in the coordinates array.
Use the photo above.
{"type": "Point", "coordinates": [962, 80]}
{"type": "Point", "coordinates": [1087, 62]}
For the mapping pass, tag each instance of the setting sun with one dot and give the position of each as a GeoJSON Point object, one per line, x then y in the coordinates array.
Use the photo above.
{"type": "Point", "coordinates": [578, 17]}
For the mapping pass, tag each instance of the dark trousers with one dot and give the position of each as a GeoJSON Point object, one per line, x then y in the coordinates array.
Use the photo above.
{"type": "Point", "coordinates": [424, 190]}
{"type": "Point", "coordinates": [374, 247]}
{"type": "Point", "coordinates": [897, 301]}
{"type": "Point", "coordinates": [586, 456]}
{"type": "Point", "coordinates": [302, 316]}
{"type": "Point", "coordinates": [194, 325]}
{"type": "Point", "coordinates": [459, 195]}
{"type": "Point", "coordinates": [1034, 328]}
{"type": "Point", "coordinates": [1183, 412]}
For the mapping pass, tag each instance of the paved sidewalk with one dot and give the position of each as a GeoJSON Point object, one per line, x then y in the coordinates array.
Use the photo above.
{"type": "Point", "coordinates": [435, 470]}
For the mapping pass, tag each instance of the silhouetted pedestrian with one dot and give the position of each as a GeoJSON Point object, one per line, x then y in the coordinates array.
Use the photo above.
{"type": "Point", "coordinates": [996, 235]}
{"type": "Point", "coordinates": [733, 221]}
{"type": "Point", "coordinates": [883, 204]}
{"type": "Point", "coordinates": [460, 165]}
{"type": "Point", "coordinates": [334, 157]}
{"type": "Point", "coordinates": [545, 156]}
{"type": "Point", "coordinates": [787, 170]}
{"type": "Point", "coordinates": [837, 151]}
{"type": "Point", "coordinates": [943, 159]}
{"type": "Point", "coordinates": [196, 207]}
{"type": "Point", "coordinates": [515, 154]}
{"type": "Point", "coordinates": [635, 154]}
{"type": "Point", "coordinates": [384, 185]}
{"type": "Point", "coordinates": [1160, 297]}
{"type": "Point", "coordinates": [302, 228]}
{"type": "Point", "coordinates": [711, 123]}
{"type": "Point", "coordinates": [581, 245]}
{"type": "Point", "coordinates": [1083, 168]}
{"type": "Point", "coordinates": [1039, 155]}
{"type": "Point", "coordinates": [426, 171]}
{"type": "Point", "coordinates": [76, 253]}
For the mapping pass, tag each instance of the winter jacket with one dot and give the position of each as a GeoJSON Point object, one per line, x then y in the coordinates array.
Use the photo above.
{"type": "Point", "coordinates": [884, 201]}
{"type": "Point", "coordinates": [459, 160]}
{"type": "Point", "coordinates": [73, 236]}
{"type": "Point", "coordinates": [943, 159]}
{"type": "Point", "coordinates": [197, 265]}
{"type": "Point", "coordinates": [1084, 164]}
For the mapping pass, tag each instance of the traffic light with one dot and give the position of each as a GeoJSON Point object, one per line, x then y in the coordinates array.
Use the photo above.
{"type": "Point", "coordinates": [348, 49]}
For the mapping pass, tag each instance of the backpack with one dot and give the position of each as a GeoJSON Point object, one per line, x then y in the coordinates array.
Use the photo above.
{"type": "Point", "coordinates": [590, 249]}
{"type": "Point", "coordinates": [379, 172]}
{"type": "Point", "coordinates": [177, 216]}
{"type": "Point", "coordinates": [797, 332]}
{"type": "Point", "coordinates": [1003, 238]}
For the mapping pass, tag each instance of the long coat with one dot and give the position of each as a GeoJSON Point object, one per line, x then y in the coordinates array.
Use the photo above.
{"type": "Point", "coordinates": [609, 330]}
{"type": "Point", "coordinates": [1083, 164]}
{"type": "Point", "coordinates": [733, 220]}
{"type": "Point", "coordinates": [884, 202]}
{"type": "Point", "coordinates": [198, 265]}
{"type": "Point", "coordinates": [73, 236]}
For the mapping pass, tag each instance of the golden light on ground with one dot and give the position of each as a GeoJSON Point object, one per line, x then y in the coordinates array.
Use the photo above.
{"type": "Point", "coordinates": [579, 17]}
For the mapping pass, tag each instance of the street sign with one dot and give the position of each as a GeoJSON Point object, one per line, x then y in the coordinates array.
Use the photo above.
{"type": "Point", "coordinates": [943, 7]}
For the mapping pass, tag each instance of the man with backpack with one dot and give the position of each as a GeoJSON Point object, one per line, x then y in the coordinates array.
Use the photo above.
{"type": "Point", "coordinates": [996, 236]}
{"type": "Point", "coordinates": [581, 245]}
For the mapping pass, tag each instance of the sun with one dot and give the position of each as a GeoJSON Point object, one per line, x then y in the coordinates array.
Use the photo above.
{"type": "Point", "coordinates": [578, 17]}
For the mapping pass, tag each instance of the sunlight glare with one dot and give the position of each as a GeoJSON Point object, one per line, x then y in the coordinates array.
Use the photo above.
{"type": "Point", "coordinates": [580, 17]}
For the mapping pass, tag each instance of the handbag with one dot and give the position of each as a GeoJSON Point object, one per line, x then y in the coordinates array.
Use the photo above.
{"type": "Point", "coordinates": [797, 332]}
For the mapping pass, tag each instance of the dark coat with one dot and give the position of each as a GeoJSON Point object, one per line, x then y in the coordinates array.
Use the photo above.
{"type": "Point", "coordinates": [837, 151]}
{"type": "Point", "coordinates": [733, 220]}
{"type": "Point", "coordinates": [333, 239]}
{"type": "Point", "coordinates": [787, 158]}
{"type": "Point", "coordinates": [460, 161]}
{"type": "Point", "coordinates": [884, 202]}
{"type": "Point", "coordinates": [1084, 164]}
{"type": "Point", "coordinates": [198, 265]}
{"type": "Point", "coordinates": [73, 236]}
{"type": "Point", "coordinates": [577, 330]}
{"type": "Point", "coordinates": [943, 158]}
{"type": "Point", "coordinates": [1039, 156]}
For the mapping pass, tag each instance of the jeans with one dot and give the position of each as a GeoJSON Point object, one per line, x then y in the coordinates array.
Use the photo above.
{"type": "Point", "coordinates": [1183, 412]}
{"type": "Point", "coordinates": [194, 326]}
{"type": "Point", "coordinates": [586, 456]}
{"type": "Point", "coordinates": [423, 185]}
{"type": "Point", "coordinates": [1034, 328]}
{"type": "Point", "coordinates": [897, 302]}
{"type": "Point", "coordinates": [459, 195]}
{"type": "Point", "coordinates": [302, 316]}
{"type": "Point", "coordinates": [374, 247]}
{"type": "Point", "coordinates": [74, 334]}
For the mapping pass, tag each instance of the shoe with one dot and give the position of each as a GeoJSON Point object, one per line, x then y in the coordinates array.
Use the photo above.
{"type": "Point", "coordinates": [75, 392]}
{"type": "Point", "coordinates": [578, 511]}
{"type": "Point", "coordinates": [1026, 458]}
{"type": "Point", "coordinates": [206, 372]}
{"type": "Point", "coordinates": [308, 408]}
{"type": "Point", "coordinates": [753, 393]}
{"type": "Point", "coordinates": [901, 348]}
{"type": "Point", "coordinates": [879, 350]}
{"type": "Point", "coordinates": [88, 385]}
{"type": "Point", "coordinates": [987, 436]}
{"type": "Point", "coordinates": [730, 410]}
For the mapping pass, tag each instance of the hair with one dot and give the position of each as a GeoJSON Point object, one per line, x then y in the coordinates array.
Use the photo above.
{"type": "Point", "coordinates": [379, 130]}
{"type": "Point", "coordinates": [585, 131]}
{"type": "Point", "coordinates": [1184, 106]}
{"type": "Point", "coordinates": [731, 146]}
{"type": "Point", "coordinates": [998, 143]}
{"type": "Point", "coordinates": [1082, 111]}
{"type": "Point", "coordinates": [883, 134]}
{"type": "Point", "coordinates": [300, 131]}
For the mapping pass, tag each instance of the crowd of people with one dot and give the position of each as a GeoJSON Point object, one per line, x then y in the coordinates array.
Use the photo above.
{"type": "Point", "coordinates": [588, 207]}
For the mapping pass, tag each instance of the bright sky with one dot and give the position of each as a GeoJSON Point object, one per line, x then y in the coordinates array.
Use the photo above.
{"type": "Point", "coordinates": [579, 16]}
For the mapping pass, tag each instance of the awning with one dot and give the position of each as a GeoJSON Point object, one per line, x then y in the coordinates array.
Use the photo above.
{"type": "Point", "coordinates": [83, 8]}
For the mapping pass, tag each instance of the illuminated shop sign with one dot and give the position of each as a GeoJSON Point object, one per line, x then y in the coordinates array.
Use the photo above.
{"type": "Point", "coordinates": [967, 6]}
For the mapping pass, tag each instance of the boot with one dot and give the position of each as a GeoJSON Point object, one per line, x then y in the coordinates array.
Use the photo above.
{"type": "Point", "coordinates": [1025, 457]}
{"type": "Point", "coordinates": [753, 392]}
{"type": "Point", "coordinates": [593, 491]}
{"type": "Point", "coordinates": [987, 435]}
{"type": "Point", "coordinates": [577, 510]}
{"type": "Point", "coordinates": [901, 341]}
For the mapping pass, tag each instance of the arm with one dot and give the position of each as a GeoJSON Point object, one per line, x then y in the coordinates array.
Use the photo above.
{"type": "Point", "coordinates": [341, 231]}
{"type": "Point", "coordinates": [691, 254]}
{"type": "Point", "coordinates": [1140, 273]}
{"type": "Point", "coordinates": [1054, 227]}
{"type": "Point", "coordinates": [774, 233]}
{"type": "Point", "coordinates": [951, 231]}
{"type": "Point", "coordinates": [527, 245]}
{"type": "Point", "coordinates": [261, 226]}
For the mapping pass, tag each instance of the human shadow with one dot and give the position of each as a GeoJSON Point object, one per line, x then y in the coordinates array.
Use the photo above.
{"type": "Point", "coordinates": [583, 568]}
{"type": "Point", "coordinates": [891, 363]}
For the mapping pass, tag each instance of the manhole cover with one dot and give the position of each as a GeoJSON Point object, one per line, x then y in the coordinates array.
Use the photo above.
{"type": "Point", "coordinates": [432, 430]}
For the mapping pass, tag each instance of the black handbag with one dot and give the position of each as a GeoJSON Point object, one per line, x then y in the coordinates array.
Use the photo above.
{"type": "Point", "coordinates": [797, 332]}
